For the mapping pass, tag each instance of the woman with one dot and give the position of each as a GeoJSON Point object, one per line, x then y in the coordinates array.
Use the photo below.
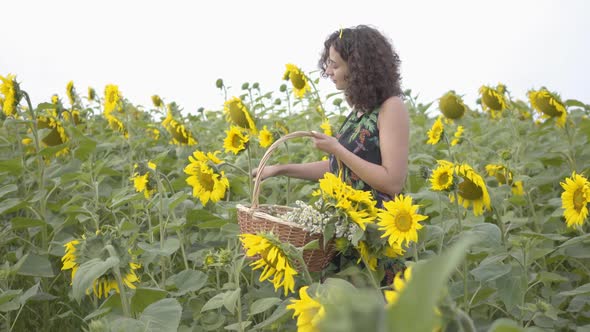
{"type": "Point", "coordinates": [372, 144]}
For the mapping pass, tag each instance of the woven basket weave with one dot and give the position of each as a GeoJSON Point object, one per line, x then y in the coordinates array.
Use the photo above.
{"type": "Point", "coordinates": [266, 218]}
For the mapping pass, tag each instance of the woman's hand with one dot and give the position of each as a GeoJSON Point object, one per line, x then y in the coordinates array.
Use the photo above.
{"type": "Point", "coordinates": [267, 172]}
{"type": "Point", "coordinates": [328, 144]}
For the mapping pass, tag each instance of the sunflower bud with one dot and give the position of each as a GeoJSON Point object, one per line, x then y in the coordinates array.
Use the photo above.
{"type": "Point", "coordinates": [506, 155]}
{"type": "Point", "coordinates": [451, 105]}
{"type": "Point", "coordinates": [97, 326]}
{"type": "Point", "coordinates": [157, 101]}
{"type": "Point", "coordinates": [256, 86]}
{"type": "Point", "coordinates": [91, 93]}
{"type": "Point", "coordinates": [219, 83]}
{"type": "Point", "coordinates": [341, 244]}
{"type": "Point", "coordinates": [245, 86]}
{"type": "Point", "coordinates": [283, 88]}
{"type": "Point", "coordinates": [277, 101]}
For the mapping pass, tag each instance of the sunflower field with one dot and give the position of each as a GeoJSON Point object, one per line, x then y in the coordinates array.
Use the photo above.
{"type": "Point", "coordinates": [122, 217]}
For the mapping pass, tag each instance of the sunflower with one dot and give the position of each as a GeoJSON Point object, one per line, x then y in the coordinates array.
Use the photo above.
{"type": "Point", "coordinates": [237, 114]}
{"type": "Point", "coordinates": [435, 132]}
{"type": "Point", "coordinates": [399, 284]}
{"type": "Point", "coordinates": [517, 188]}
{"type": "Point", "coordinates": [575, 199]}
{"type": "Point", "coordinates": [201, 157]}
{"type": "Point", "coordinates": [272, 259]}
{"type": "Point", "coordinates": [10, 89]}
{"type": "Point", "coordinates": [393, 250]}
{"type": "Point", "coordinates": [365, 255]}
{"type": "Point", "coordinates": [143, 181]}
{"type": "Point", "coordinates": [309, 310]}
{"type": "Point", "coordinates": [180, 136]}
{"type": "Point", "coordinates": [442, 176]}
{"type": "Point", "coordinates": [326, 127]}
{"type": "Point", "coordinates": [117, 125]}
{"type": "Point", "coordinates": [451, 105]}
{"type": "Point", "coordinates": [548, 104]}
{"type": "Point", "coordinates": [207, 185]}
{"type": "Point", "coordinates": [71, 92]}
{"type": "Point", "coordinates": [358, 205]}
{"type": "Point", "coordinates": [399, 220]}
{"type": "Point", "coordinates": [472, 190]}
{"type": "Point", "coordinates": [502, 174]}
{"type": "Point", "coordinates": [298, 80]}
{"type": "Point", "coordinates": [235, 141]}
{"type": "Point", "coordinates": [492, 100]}
{"type": "Point", "coordinates": [79, 251]}
{"type": "Point", "coordinates": [265, 137]}
{"type": "Point", "coordinates": [458, 136]}
{"type": "Point", "coordinates": [57, 134]}
{"type": "Point", "coordinates": [112, 98]}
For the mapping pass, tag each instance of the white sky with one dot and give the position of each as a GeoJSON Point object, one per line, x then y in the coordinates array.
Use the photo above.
{"type": "Point", "coordinates": [178, 49]}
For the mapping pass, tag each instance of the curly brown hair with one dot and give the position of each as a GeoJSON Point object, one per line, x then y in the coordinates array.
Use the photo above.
{"type": "Point", "coordinates": [373, 65]}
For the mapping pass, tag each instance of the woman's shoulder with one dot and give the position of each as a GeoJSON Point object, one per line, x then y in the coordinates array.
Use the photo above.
{"type": "Point", "coordinates": [393, 109]}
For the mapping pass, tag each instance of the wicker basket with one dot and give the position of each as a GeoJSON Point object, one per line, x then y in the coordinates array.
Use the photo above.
{"type": "Point", "coordinates": [265, 218]}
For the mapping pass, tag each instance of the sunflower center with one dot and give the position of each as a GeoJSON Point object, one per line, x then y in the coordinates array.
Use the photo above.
{"type": "Point", "coordinates": [443, 179]}
{"type": "Point", "coordinates": [492, 101]}
{"type": "Point", "coordinates": [236, 141]}
{"type": "Point", "coordinates": [297, 81]}
{"type": "Point", "coordinates": [579, 199]}
{"type": "Point", "coordinates": [206, 181]}
{"type": "Point", "coordinates": [237, 115]}
{"type": "Point", "coordinates": [469, 190]}
{"type": "Point", "coordinates": [547, 107]}
{"type": "Point", "coordinates": [403, 222]}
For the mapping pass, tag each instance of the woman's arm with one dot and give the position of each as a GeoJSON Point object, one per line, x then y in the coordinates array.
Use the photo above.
{"type": "Point", "coordinates": [307, 171]}
{"type": "Point", "coordinates": [394, 132]}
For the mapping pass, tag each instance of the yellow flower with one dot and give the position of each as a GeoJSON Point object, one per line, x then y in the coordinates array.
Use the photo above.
{"type": "Point", "coordinates": [399, 220]}
{"type": "Point", "coordinates": [180, 135]}
{"type": "Point", "coordinates": [575, 199]}
{"type": "Point", "coordinates": [112, 99]}
{"type": "Point", "coordinates": [502, 174]}
{"type": "Point", "coordinates": [442, 176]}
{"type": "Point", "coordinates": [101, 286]}
{"type": "Point", "coordinates": [393, 250]}
{"type": "Point", "coordinates": [9, 89]}
{"type": "Point", "coordinates": [207, 185]}
{"type": "Point", "coordinates": [57, 135]}
{"type": "Point", "coordinates": [298, 80]}
{"type": "Point", "coordinates": [472, 190]}
{"type": "Point", "coordinates": [436, 132]}
{"type": "Point", "coordinates": [272, 260]}
{"type": "Point", "coordinates": [117, 125]}
{"type": "Point", "coordinates": [326, 127]}
{"type": "Point", "coordinates": [153, 133]}
{"type": "Point", "coordinates": [366, 256]}
{"type": "Point", "coordinates": [310, 311]}
{"type": "Point", "coordinates": [399, 284]}
{"type": "Point", "coordinates": [548, 104]}
{"type": "Point", "coordinates": [451, 105]}
{"type": "Point", "coordinates": [457, 136]}
{"type": "Point", "coordinates": [492, 101]}
{"type": "Point", "coordinates": [237, 114]}
{"type": "Point", "coordinates": [359, 205]}
{"type": "Point", "coordinates": [265, 137]}
{"type": "Point", "coordinates": [517, 189]}
{"type": "Point", "coordinates": [71, 92]}
{"type": "Point", "coordinates": [235, 141]}
{"type": "Point", "coordinates": [157, 101]}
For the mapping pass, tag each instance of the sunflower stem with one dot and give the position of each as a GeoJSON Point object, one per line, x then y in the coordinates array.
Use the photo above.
{"type": "Point", "coordinates": [122, 291]}
{"type": "Point", "coordinates": [460, 220]}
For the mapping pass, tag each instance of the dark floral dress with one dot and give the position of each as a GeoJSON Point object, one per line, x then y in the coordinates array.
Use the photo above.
{"type": "Point", "coordinates": [360, 135]}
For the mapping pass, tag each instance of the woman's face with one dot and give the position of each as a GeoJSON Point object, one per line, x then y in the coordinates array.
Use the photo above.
{"type": "Point", "coordinates": [337, 69]}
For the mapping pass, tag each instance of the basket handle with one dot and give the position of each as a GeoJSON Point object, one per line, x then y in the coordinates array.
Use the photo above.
{"type": "Point", "coordinates": [266, 157]}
